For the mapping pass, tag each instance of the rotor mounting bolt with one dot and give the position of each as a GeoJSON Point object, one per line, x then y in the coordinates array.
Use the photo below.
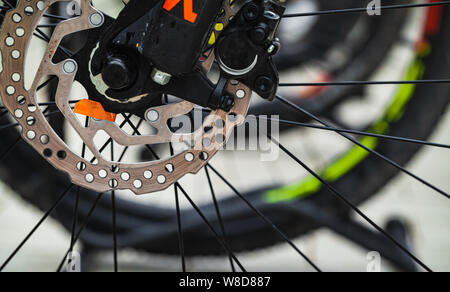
{"type": "Point", "coordinates": [152, 116]}
{"type": "Point", "coordinates": [160, 77]}
{"type": "Point", "coordinates": [70, 66]}
{"type": "Point", "coordinates": [96, 19]}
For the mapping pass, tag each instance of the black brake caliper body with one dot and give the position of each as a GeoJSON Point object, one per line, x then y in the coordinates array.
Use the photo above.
{"type": "Point", "coordinates": [170, 37]}
{"type": "Point", "coordinates": [244, 50]}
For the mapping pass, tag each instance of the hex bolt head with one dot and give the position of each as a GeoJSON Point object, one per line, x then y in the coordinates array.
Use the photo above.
{"type": "Point", "coordinates": [160, 77]}
{"type": "Point", "coordinates": [70, 67]}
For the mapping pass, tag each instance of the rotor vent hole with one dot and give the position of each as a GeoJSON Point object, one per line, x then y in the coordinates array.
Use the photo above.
{"type": "Point", "coordinates": [18, 113]}
{"type": "Point", "coordinates": [48, 152]}
{"type": "Point", "coordinates": [31, 121]}
{"type": "Point", "coordinates": [203, 156]}
{"type": "Point", "coordinates": [81, 166]}
{"type": "Point", "coordinates": [20, 31]}
{"type": "Point", "coordinates": [102, 173]}
{"type": "Point", "coordinates": [15, 54]}
{"type": "Point", "coordinates": [21, 100]}
{"type": "Point", "coordinates": [161, 179]}
{"type": "Point", "coordinates": [16, 18]}
{"type": "Point", "coordinates": [137, 184]}
{"type": "Point", "coordinates": [61, 155]}
{"type": "Point", "coordinates": [189, 157]}
{"type": "Point", "coordinates": [16, 77]}
{"type": "Point", "coordinates": [170, 168]}
{"type": "Point", "coordinates": [9, 41]}
{"type": "Point", "coordinates": [89, 178]}
{"type": "Point", "coordinates": [125, 176]}
{"type": "Point", "coordinates": [148, 174]}
{"type": "Point", "coordinates": [113, 183]}
{"type": "Point", "coordinates": [31, 135]}
{"type": "Point", "coordinates": [29, 10]}
{"type": "Point", "coordinates": [32, 108]}
{"type": "Point", "coordinates": [44, 139]}
{"type": "Point", "coordinates": [219, 124]}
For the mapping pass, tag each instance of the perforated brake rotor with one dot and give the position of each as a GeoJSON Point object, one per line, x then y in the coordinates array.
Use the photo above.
{"type": "Point", "coordinates": [146, 177]}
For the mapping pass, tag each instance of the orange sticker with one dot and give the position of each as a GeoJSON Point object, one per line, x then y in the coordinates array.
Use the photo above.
{"type": "Point", "coordinates": [94, 110]}
{"type": "Point", "coordinates": [189, 14]}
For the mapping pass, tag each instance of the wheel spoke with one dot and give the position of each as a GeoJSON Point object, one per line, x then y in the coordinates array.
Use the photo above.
{"type": "Point", "coordinates": [384, 158]}
{"type": "Point", "coordinates": [263, 217]}
{"type": "Point", "coordinates": [364, 9]}
{"type": "Point", "coordinates": [177, 185]}
{"type": "Point", "coordinates": [178, 211]}
{"type": "Point", "coordinates": [216, 235]}
{"type": "Point", "coordinates": [219, 215]}
{"type": "Point", "coordinates": [51, 103]}
{"type": "Point", "coordinates": [114, 227]}
{"type": "Point", "coordinates": [355, 132]}
{"type": "Point", "coordinates": [46, 215]}
{"type": "Point", "coordinates": [82, 227]}
{"type": "Point", "coordinates": [349, 204]}
{"type": "Point", "coordinates": [352, 83]}
{"type": "Point", "coordinates": [75, 219]}
{"type": "Point", "coordinates": [180, 230]}
{"type": "Point", "coordinates": [10, 126]}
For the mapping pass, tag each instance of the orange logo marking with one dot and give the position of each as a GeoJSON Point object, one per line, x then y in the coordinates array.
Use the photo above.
{"type": "Point", "coordinates": [94, 110]}
{"type": "Point", "coordinates": [189, 14]}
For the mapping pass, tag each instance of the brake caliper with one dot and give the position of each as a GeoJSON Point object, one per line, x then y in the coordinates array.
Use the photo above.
{"type": "Point", "coordinates": [245, 49]}
{"type": "Point", "coordinates": [173, 35]}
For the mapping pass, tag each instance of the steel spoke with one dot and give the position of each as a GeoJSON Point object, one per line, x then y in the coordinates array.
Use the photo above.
{"type": "Point", "coordinates": [180, 230]}
{"type": "Point", "coordinates": [364, 9]}
{"type": "Point", "coordinates": [179, 224]}
{"type": "Point", "coordinates": [349, 204]}
{"type": "Point", "coordinates": [396, 165]}
{"type": "Point", "coordinates": [10, 126]}
{"type": "Point", "coordinates": [82, 227]}
{"type": "Point", "coordinates": [51, 103]}
{"type": "Point", "coordinates": [46, 215]}
{"type": "Point", "coordinates": [113, 200]}
{"type": "Point", "coordinates": [75, 219]}
{"type": "Point", "coordinates": [216, 235]}
{"type": "Point", "coordinates": [263, 217]}
{"type": "Point", "coordinates": [351, 83]}
{"type": "Point", "coordinates": [219, 215]}
{"type": "Point", "coordinates": [224, 244]}
{"type": "Point", "coordinates": [355, 132]}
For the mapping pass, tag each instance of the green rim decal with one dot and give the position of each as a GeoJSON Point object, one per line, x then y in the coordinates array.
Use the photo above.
{"type": "Point", "coordinates": [356, 155]}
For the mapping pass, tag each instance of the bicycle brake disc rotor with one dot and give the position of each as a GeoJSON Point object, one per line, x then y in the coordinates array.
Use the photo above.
{"type": "Point", "coordinates": [144, 177]}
